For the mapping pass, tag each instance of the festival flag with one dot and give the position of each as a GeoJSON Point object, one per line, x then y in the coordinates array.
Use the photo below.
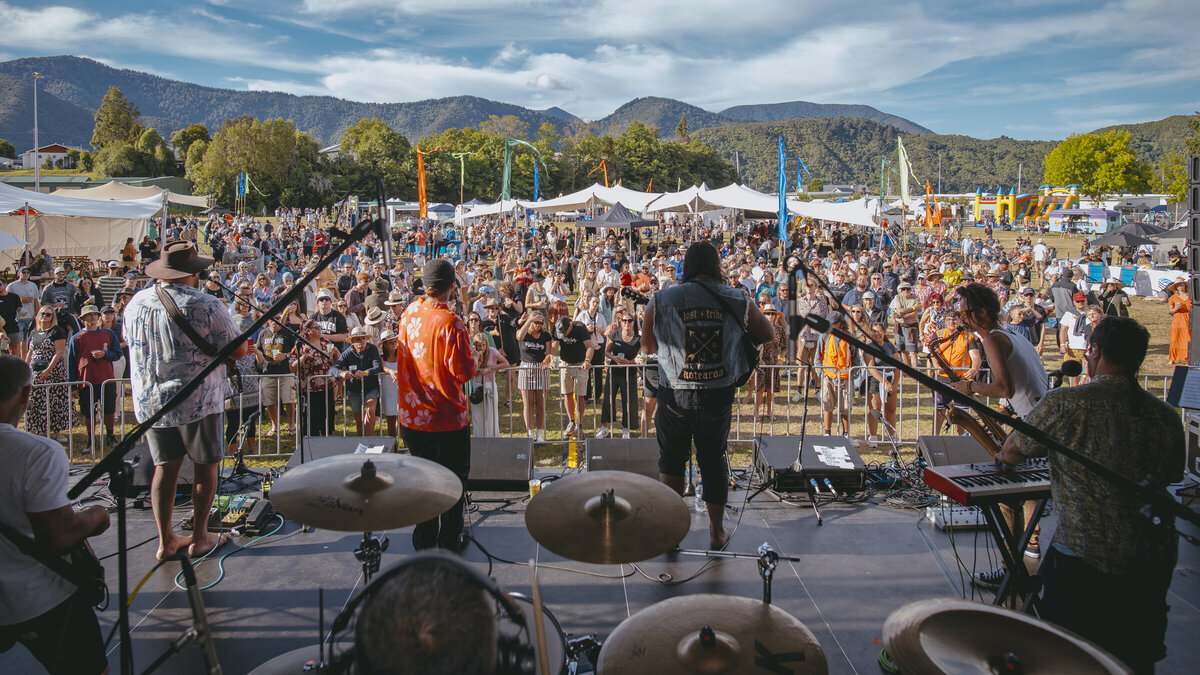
{"type": "Point", "coordinates": [905, 170]}
{"type": "Point", "coordinates": [800, 165]}
{"type": "Point", "coordinates": [783, 210]}
{"type": "Point", "coordinates": [506, 181]}
{"type": "Point", "coordinates": [535, 181]}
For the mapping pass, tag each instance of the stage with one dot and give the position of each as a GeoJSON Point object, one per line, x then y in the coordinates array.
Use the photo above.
{"type": "Point", "coordinates": [867, 560]}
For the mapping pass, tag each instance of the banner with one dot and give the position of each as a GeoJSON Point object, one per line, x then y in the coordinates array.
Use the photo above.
{"type": "Point", "coordinates": [535, 181]}
{"type": "Point", "coordinates": [801, 166]}
{"type": "Point", "coordinates": [782, 187]}
{"type": "Point", "coordinates": [905, 170]}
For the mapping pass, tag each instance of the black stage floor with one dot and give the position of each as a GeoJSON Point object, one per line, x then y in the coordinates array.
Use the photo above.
{"type": "Point", "coordinates": [865, 561]}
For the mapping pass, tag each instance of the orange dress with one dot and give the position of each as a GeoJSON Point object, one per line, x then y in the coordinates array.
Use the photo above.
{"type": "Point", "coordinates": [1181, 329]}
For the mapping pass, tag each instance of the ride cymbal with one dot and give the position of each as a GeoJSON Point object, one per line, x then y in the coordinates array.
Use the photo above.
{"type": "Point", "coordinates": [959, 637]}
{"type": "Point", "coordinates": [366, 493]}
{"type": "Point", "coordinates": [711, 634]}
{"type": "Point", "coordinates": [607, 517]}
{"type": "Point", "coordinates": [296, 662]}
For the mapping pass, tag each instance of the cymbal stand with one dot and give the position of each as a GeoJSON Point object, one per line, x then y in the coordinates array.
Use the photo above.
{"type": "Point", "coordinates": [766, 556]}
{"type": "Point", "coordinates": [369, 553]}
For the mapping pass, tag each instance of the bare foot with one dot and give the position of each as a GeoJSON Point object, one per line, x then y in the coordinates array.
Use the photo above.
{"type": "Point", "coordinates": [168, 549]}
{"type": "Point", "coordinates": [719, 544]}
{"type": "Point", "coordinates": [208, 545]}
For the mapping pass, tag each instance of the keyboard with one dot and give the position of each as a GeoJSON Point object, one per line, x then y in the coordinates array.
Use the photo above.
{"type": "Point", "coordinates": [982, 483]}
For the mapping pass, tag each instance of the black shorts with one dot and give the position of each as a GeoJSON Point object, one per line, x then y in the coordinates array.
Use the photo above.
{"type": "Point", "coordinates": [108, 396]}
{"type": "Point", "coordinates": [65, 640]}
{"type": "Point", "coordinates": [650, 381]}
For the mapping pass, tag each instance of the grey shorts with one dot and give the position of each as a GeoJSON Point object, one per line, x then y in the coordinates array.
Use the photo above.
{"type": "Point", "coordinates": [201, 440]}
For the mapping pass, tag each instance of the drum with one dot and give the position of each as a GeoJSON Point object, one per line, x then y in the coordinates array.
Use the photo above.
{"type": "Point", "coordinates": [556, 641]}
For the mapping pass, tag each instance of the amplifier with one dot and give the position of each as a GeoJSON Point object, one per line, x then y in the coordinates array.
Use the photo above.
{"type": "Point", "coordinates": [944, 450]}
{"type": "Point", "coordinates": [143, 472]}
{"type": "Point", "coordinates": [635, 455]}
{"type": "Point", "coordinates": [320, 447]}
{"type": "Point", "coordinates": [780, 458]}
{"type": "Point", "coordinates": [501, 464]}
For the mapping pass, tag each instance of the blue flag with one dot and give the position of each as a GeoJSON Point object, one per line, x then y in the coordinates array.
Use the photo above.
{"type": "Point", "coordinates": [535, 181]}
{"type": "Point", "coordinates": [783, 212]}
{"type": "Point", "coordinates": [801, 166]}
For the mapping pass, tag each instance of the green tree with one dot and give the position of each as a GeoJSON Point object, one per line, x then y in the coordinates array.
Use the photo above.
{"type": "Point", "coordinates": [283, 164]}
{"type": "Point", "coordinates": [119, 159]}
{"type": "Point", "coordinates": [377, 150]}
{"type": "Point", "coordinates": [682, 131]}
{"type": "Point", "coordinates": [814, 185]}
{"type": "Point", "coordinates": [195, 155]}
{"type": "Point", "coordinates": [115, 119]}
{"type": "Point", "coordinates": [156, 157]}
{"type": "Point", "coordinates": [507, 127]}
{"type": "Point", "coordinates": [1100, 165]}
{"type": "Point", "coordinates": [7, 149]}
{"type": "Point", "coordinates": [1193, 143]}
{"type": "Point", "coordinates": [87, 161]}
{"type": "Point", "coordinates": [1172, 177]}
{"type": "Point", "coordinates": [183, 139]}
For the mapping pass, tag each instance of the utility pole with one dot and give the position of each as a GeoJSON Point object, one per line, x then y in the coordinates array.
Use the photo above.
{"type": "Point", "coordinates": [37, 163]}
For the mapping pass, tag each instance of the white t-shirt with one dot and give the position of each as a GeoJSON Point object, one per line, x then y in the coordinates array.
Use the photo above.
{"type": "Point", "coordinates": [34, 480]}
{"type": "Point", "coordinates": [1039, 252]}
{"type": "Point", "coordinates": [1075, 339]}
{"type": "Point", "coordinates": [28, 292]}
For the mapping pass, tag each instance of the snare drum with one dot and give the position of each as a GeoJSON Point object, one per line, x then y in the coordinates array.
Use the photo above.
{"type": "Point", "coordinates": [556, 641]}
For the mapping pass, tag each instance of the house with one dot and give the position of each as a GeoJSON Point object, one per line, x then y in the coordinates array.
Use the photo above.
{"type": "Point", "coordinates": [55, 152]}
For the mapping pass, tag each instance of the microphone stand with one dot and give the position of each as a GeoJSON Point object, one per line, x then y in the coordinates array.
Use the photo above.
{"type": "Point", "coordinates": [112, 464]}
{"type": "Point", "coordinates": [1158, 507]}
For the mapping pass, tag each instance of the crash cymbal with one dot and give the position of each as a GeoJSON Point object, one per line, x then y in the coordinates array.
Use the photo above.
{"type": "Point", "coordinates": [295, 662]}
{"type": "Point", "coordinates": [607, 517]}
{"type": "Point", "coordinates": [366, 493]}
{"type": "Point", "coordinates": [711, 634]}
{"type": "Point", "coordinates": [961, 637]}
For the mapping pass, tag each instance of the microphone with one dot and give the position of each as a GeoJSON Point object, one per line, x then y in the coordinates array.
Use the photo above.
{"type": "Point", "coordinates": [383, 230]}
{"type": "Point", "coordinates": [1070, 368]}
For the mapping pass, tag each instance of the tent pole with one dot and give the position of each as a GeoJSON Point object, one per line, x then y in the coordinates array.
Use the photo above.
{"type": "Point", "coordinates": [25, 259]}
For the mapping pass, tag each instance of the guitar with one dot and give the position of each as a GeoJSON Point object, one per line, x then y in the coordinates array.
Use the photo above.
{"type": "Point", "coordinates": [84, 569]}
{"type": "Point", "coordinates": [637, 298]}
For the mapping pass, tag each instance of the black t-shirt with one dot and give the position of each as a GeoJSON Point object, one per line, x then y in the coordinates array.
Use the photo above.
{"type": "Point", "coordinates": [37, 337]}
{"type": "Point", "coordinates": [332, 323]}
{"type": "Point", "coordinates": [571, 346]}
{"type": "Point", "coordinates": [10, 304]}
{"type": "Point", "coordinates": [270, 344]}
{"type": "Point", "coordinates": [625, 350]}
{"type": "Point", "coordinates": [533, 349]}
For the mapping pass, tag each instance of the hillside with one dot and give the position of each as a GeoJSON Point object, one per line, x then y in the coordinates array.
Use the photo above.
{"type": "Point", "coordinates": [848, 150]}
{"type": "Point", "coordinates": [662, 113]}
{"type": "Point", "coordinates": [1152, 140]}
{"type": "Point", "coordinates": [58, 120]}
{"type": "Point", "coordinates": [168, 105]}
{"type": "Point", "coordinates": [776, 112]}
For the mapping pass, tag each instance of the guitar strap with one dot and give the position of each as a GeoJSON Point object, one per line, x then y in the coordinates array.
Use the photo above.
{"type": "Point", "coordinates": [202, 344]}
{"type": "Point", "coordinates": [30, 548]}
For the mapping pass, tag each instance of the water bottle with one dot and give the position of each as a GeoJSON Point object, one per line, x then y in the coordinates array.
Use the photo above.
{"type": "Point", "coordinates": [700, 506]}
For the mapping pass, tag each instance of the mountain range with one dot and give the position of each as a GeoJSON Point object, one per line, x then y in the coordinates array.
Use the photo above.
{"type": "Point", "coordinates": [73, 87]}
{"type": "Point", "coordinates": [841, 143]}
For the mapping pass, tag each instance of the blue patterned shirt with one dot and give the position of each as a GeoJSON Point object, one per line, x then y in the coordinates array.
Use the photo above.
{"type": "Point", "coordinates": [163, 359]}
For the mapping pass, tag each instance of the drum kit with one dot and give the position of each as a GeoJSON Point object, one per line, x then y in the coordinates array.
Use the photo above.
{"type": "Point", "coordinates": [613, 517]}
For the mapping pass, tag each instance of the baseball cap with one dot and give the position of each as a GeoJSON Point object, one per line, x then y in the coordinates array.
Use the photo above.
{"type": "Point", "coordinates": [288, 276]}
{"type": "Point", "coordinates": [112, 264]}
{"type": "Point", "coordinates": [904, 286]}
{"type": "Point", "coordinates": [60, 269]}
{"type": "Point", "coordinates": [324, 293]}
{"type": "Point", "coordinates": [1026, 290]}
{"type": "Point", "coordinates": [869, 294]}
{"type": "Point", "coordinates": [23, 269]}
{"type": "Point", "coordinates": [1079, 297]}
{"type": "Point", "coordinates": [130, 275]}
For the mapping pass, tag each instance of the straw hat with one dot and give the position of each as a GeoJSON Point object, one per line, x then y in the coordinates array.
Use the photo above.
{"type": "Point", "coordinates": [388, 335]}
{"type": "Point", "coordinates": [358, 332]}
{"type": "Point", "coordinates": [374, 316]}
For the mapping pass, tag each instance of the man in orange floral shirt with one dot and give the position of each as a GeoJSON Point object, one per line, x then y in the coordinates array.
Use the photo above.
{"type": "Point", "coordinates": [434, 359]}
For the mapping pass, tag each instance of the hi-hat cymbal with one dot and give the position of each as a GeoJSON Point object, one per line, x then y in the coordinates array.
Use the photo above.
{"type": "Point", "coordinates": [366, 493]}
{"type": "Point", "coordinates": [952, 636]}
{"type": "Point", "coordinates": [607, 517]}
{"type": "Point", "coordinates": [711, 634]}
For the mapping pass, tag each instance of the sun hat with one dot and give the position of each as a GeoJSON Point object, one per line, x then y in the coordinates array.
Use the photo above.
{"type": "Point", "coordinates": [374, 316]}
{"type": "Point", "coordinates": [358, 332]}
{"type": "Point", "coordinates": [180, 259]}
{"type": "Point", "coordinates": [394, 298]}
{"type": "Point", "coordinates": [88, 309]}
{"type": "Point", "coordinates": [388, 335]}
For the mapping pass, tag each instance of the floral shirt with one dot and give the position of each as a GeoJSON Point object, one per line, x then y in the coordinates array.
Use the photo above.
{"type": "Point", "coordinates": [163, 359]}
{"type": "Point", "coordinates": [434, 359]}
{"type": "Point", "coordinates": [314, 364]}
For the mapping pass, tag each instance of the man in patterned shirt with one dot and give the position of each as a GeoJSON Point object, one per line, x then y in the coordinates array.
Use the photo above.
{"type": "Point", "coordinates": [162, 360]}
{"type": "Point", "coordinates": [434, 360]}
{"type": "Point", "coordinates": [1109, 567]}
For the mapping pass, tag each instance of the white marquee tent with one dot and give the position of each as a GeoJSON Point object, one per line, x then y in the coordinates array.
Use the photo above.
{"type": "Point", "coordinates": [74, 227]}
{"type": "Point", "coordinates": [115, 191]}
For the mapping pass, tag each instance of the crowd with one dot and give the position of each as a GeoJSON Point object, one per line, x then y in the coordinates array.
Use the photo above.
{"type": "Point", "coordinates": [541, 297]}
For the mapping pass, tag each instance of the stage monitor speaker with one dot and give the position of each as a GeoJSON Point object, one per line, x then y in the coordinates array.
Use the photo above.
{"type": "Point", "coordinates": [1194, 230]}
{"type": "Point", "coordinates": [501, 464]}
{"type": "Point", "coordinates": [1193, 168]}
{"type": "Point", "coordinates": [143, 472]}
{"type": "Point", "coordinates": [320, 447]}
{"type": "Point", "coordinates": [635, 455]}
{"type": "Point", "coordinates": [1192, 424]}
{"type": "Point", "coordinates": [943, 450]}
{"type": "Point", "coordinates": [1193, 198]}
{"type": "Point", "coordinates": [780, 458]}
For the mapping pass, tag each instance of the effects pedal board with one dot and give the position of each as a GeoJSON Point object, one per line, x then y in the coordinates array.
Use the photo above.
{"type": "Point", "coordinates": [947, 515]}
{"type": "Point", "coordinates": [228, 512]}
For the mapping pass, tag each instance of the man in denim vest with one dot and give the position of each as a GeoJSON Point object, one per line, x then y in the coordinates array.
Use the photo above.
{"type": "Point", "coordinates": [696, 330]}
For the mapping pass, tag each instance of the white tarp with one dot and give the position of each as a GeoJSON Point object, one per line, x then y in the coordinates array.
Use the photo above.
{"type": "Point", "coordinates": [857, 212]}
{"type": "Point", "coordinates": [630, 199]}
{"type": "Point", "coordinates": [494, 209]}
{"type": "Point", "coordinates": [734, 196]}
{"type": "Point", "coordinates": [687, 201]}
{"type": "Point", "coordinates": [13, 198]}
{"type": "Point", "coordinates": [120, 191]}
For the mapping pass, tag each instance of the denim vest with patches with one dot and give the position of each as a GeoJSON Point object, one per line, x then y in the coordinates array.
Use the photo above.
{"type": "Point", "coordinates": [699, 343]}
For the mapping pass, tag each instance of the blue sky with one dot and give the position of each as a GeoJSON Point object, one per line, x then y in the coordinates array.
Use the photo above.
{"type": "Point", "coordinates": [1022, 68]}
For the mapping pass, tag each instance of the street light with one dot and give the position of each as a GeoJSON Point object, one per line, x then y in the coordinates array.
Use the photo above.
{"type": "Point", "coordinates": [37, 165]}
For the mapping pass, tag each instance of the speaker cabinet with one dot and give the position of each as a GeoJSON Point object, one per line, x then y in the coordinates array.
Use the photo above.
{"type": "Point", "coordinates": [320, 447]}
{"type": "Point", "coordinates": [501, 464]}
{"type": "Point", "coordinates": [635, 455]}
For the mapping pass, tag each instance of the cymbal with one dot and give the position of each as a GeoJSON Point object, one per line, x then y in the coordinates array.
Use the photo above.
{"type": "Point", "coordinates": [366, 493]}
{"type": "Point", "coordinates": [295, 662]}
{"type": "Point", "coordinates": [958, 636]}
{"type": "Point", "coordinates": [712, 634]}
{"type": "Point", "coordinates": [607, 517]}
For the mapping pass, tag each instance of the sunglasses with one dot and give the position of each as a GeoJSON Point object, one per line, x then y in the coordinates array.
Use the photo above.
{"type": "Point", "coordinates": [45, 313]}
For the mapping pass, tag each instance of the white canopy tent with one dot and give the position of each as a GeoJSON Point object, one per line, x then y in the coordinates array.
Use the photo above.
{"type": "Point", "coordinates": [858, 212]}
{"type": "Point", "coordinates": [72, 227]}
{"type": "Point", "coordinates": [686, 201]}
{"type": "Point", "coordinates": [114, 191]}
